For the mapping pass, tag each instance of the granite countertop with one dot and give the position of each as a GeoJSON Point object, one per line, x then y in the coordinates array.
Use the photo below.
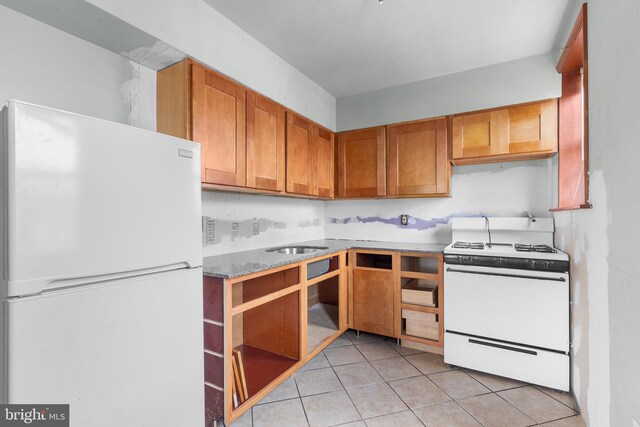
{"type": "Point", "coordinates": [239, 264]}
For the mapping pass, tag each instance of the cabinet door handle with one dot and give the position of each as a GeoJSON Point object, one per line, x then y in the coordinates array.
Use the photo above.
{"type": "Point", "coordinates": [516, 276]}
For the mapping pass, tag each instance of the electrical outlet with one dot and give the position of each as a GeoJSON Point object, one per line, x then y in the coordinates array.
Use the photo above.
{"type": "Point", "coordinates": [404, 219]}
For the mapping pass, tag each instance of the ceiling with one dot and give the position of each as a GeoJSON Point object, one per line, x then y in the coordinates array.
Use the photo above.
{"type": "Point", "coordinates": [355, 46]}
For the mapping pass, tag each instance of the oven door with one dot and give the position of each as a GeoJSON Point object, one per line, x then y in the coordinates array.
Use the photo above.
{"type": "Point", "coordinates": [516, 306]}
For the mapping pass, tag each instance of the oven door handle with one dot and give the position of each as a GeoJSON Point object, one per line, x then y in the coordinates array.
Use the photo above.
{"type": "Point", "coordinates": [503, 347]}
{"type": "Point", "coordinates": [516, 276]}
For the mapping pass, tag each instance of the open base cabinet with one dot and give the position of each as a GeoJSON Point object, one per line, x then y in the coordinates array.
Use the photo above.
{"type": "Point", "coordinates": [398, 294]}
{"type": "Point", "coordinates": [270, 323]}
{"type": "Point", "coordinates": [260, 328]}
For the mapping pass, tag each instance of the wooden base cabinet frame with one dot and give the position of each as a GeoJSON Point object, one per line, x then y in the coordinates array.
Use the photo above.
{"type": "Point", "coordinates": [386, 268]}
{"type": "Point", "coordinates": [436, 276]}
{"type": "Point", "coordinates": [241, 304]}
{"type": "Point", "coordinates": [372, 291]}
{"type": "Point", "coordinates": [375, 292]}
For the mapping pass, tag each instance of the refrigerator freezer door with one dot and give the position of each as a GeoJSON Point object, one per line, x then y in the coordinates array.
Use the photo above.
{"type": "Point", "coordinates": [89, 197]}
{"type": "Point", "coordinates": [122, 353]}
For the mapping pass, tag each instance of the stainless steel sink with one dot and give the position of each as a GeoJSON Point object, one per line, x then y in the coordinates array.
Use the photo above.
{"type": "Point", "coordinates": [297, 250]}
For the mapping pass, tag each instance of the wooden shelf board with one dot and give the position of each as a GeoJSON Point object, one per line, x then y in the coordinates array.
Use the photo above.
{"type": "Point", "coordinates": [322, 277]}
{"type": "Point", "coordinates": [420, 254]}
{"type": "Point", "coordinates": [502, 158]}
{"type": "Point", "coordinates": [372, 268]}
{"type": "Point", "coordinates": [239, 309]}
{"type": "Point", "coordinates": [418, 275]}
{"type": "Point", "coordinates": [421, 308]}
{"type": "Point", "coordinates": [436, 343]}
{"type": "Point", "coordinates": [262, 367]}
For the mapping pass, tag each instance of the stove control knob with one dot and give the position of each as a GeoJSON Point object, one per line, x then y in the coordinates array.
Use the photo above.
{"type": "Point", "coordinates": [532, 264]}
{"type": "Point", "coordinates": [546, 265]}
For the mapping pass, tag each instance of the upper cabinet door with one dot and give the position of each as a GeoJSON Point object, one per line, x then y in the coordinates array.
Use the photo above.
{"type": "Point", "coordinates": [530, 128]}
{"type": "Point", "coordinates": [323, 162]}
{"type": "Point", "coordinates": [265, 143]}
{"type": "Point", "coordinates": [476, 135]}
{"type": "Point", "coordinates": [299, 154]}
{"type": "Point", "coordinates": [361, 163]}
{"type": "Point", "coordinates": [521, 132]}
{"type": "Point", "coordinates": [418, 163]}
{"type": "Point", "coordinates": [218, 121]}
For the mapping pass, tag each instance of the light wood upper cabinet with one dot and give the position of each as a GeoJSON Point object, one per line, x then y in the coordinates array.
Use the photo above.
{"type": "Point", "coordinates": [531, 128]}
{"type": "Point", "coordinates": [310, 158]}
{"type": "Point", "coordinates": [323, 162]}
{"type": "Point", "coordinates": [197, 104]}
{"type": "Point", "coordinates": [299, 154]}
{"type": "Point", "coordinates": [417, 162]}
{"type": "Point", "coordinates": [173, 100]}
{"type": "Point", "coordinates": [519, 132]}
{"type": "Point", "coordinates": [476, 135]}
{"type": "Point", "coordinates": [242, 134]}
{"type": "Point", "coordinates": [361, 163]}
{"type": "Point", "coordinates": [250, 143]}
{"type": "Point", "coordinates": [266, 125]}
{"type": "Point", "coordinates": [218, 117]}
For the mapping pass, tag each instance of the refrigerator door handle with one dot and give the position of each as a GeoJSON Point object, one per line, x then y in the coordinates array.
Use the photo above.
{"type": "Point", "coordinates": [39, 286]}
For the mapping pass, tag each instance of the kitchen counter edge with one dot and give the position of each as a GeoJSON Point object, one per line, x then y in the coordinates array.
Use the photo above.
{"type": "Point", "coordinates": [237, 264]}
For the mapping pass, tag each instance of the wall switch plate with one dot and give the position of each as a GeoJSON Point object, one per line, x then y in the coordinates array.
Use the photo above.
{"type": "Point", "coordinates": [404, 219]}
{"type": "Point", "coordinates": [636, 423]}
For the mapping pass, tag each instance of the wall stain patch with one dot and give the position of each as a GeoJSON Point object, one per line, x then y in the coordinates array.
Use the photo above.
{"type": "Point", "coordinates": [412, 223]}
{"type": "Point", "coordinates": [307, 223]}
{"type": "Point", "coordinates": [215, 231]}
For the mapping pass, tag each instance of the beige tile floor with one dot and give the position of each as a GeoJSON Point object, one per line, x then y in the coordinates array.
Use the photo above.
{"type": "Point", "coordinates": [368, 381]}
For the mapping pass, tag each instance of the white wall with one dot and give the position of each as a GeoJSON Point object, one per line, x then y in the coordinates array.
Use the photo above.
{"type": "Point", "coordinates": [201, 32]}
{"type": "Point", "coordinates": [514, 82]}
{"type": "Point", "coordinates": [602, 241]}
{"type": "Point", "coordinates": [506, 189]}
{"type": "Point", "coordinates": [614, 91]}
{"type": "Point", "coordinates": [243, 221]}
{"type": "Point", "coordinates": [42, 65]}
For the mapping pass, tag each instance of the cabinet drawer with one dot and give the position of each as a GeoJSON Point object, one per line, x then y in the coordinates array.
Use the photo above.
{"type": "Point", "coordinates": [422, 329]}
{"type": "Point", "coordinates": [421, 292]}
{"type": "Point", "coordinates": [419, 324]}
{"type": "Point", "coordinates": [418, 315]}
{"type": "Point", "coordinates": [546, 368]}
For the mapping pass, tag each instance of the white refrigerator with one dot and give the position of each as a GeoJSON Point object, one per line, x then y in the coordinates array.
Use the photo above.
{"type": "Point", "coordinates": [101, 270]}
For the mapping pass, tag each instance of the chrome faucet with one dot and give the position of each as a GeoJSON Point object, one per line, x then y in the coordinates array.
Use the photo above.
{"type": "Point", "coordinates": [531, 217]}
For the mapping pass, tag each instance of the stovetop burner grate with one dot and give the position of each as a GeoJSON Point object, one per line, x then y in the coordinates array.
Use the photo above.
{"type": "Point", "coordinates": [534, 248]}
{"type": "Point", "coordinates": [468, 245]}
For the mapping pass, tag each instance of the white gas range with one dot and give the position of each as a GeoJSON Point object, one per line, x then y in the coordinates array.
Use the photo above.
{"type": "Point", "coordinates": [506, 308]}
